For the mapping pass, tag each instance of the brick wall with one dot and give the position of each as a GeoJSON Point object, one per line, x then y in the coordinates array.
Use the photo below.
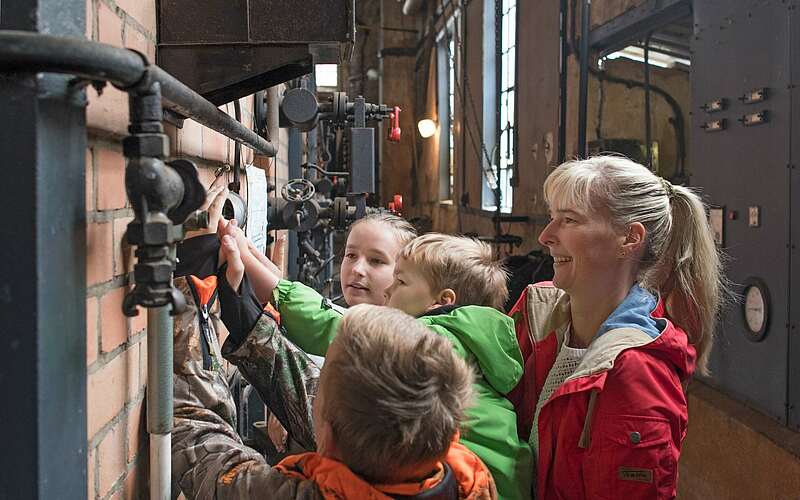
{"type": "Point", "coordinates": [116, 354]}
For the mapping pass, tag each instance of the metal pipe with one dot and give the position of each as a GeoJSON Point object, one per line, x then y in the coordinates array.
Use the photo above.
{"type": "Point", "coordinates": [410, 7]}
{"type": "Point", "coordinates": [125, 69]}
{"type": "Point", "coordinates": [159, 399]}
{"type": "Point", "coordinates": [583, 96]}
{"type": "Point", "coordinates": [562, 118]}
{"type": "Point", "coordinates": [648, 132]}
{"type": "Point", "coordinates": [273, 101]}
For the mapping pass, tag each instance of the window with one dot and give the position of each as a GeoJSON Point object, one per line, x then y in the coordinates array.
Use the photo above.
{"type": "Point", "coordinates": [504, 133]}
{"type": "Point", "coordinates": [446, 92]}
{"type": "Point", "coordinates": [327, 75]}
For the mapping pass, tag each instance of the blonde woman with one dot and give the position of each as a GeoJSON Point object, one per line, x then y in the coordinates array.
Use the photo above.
{"type": "Point", "coordinates": [610, 343]}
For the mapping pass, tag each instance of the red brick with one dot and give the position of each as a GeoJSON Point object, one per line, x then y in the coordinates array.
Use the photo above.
{"type": "Point", "coordinates": [132, 370]}
{"type": "Point", "coordinates": [110, 179]}
{"type": "Point", "coordinates": [190, 139]}
{"type": "Point", "coordinates": [143, 11]}
{"type": "Point", "coordinates": [137, 323]}
{"type": "Point", "coordinates": [136, 428]}
{"type": "Point", "coordinates": [113, 324]}
{"type": "Point", "coordinates": [109, 25]}
{"type": "Point", "coordinates": [89, 180]}
{"type": "Point", "coordinates": [99, 264]}
{"type": "Point", "coordinates": [105, 394]}
{"type": "Point", "coordinates": [206, 176]}
{"type": "Point", "coordinates": [91, 330]}
{"type": "Point", "coordinates": [108, 112]}
{"type": "Point", "coordinates": [136, 40]}
{"type": "Point", "coordinates": [143, 362]}
{"type": "Point", "coordinates": [123, 252]}
{"type": "Point", "coordinates": [90, 468]}
{"type": "Point", "coordinates": [111, 458]}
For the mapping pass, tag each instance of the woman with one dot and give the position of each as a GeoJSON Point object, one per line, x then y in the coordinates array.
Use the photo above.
{"type": "Point", "coordinates": [610, 343]}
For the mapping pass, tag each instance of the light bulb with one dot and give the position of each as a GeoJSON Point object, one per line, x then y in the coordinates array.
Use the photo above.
{"type": "Point", "coordinates": [427, 128]}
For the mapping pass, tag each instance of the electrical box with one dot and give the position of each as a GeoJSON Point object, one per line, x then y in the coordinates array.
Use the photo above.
{"type": "Point", "coordinates": [227, 49]}
{"type": "Point", "coordinates": [745, 170]}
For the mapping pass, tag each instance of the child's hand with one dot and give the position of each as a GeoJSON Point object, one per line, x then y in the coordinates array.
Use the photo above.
{"type": "Point", "coordinates": [215, 200]}
{"type": "Point", "coordinates": [235, 272]}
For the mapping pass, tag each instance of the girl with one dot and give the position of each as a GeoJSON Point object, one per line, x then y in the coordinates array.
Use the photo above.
{"type": "Point", "coordinates": [611, 342]}
{"type": "Point", "coordinates": [367, 270]}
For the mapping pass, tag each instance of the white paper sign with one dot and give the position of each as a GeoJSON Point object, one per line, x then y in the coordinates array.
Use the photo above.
{"type": "Point", "coordinates": [256, 229]}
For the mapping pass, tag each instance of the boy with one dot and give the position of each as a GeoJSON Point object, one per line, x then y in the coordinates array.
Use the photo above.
{"type": "Point", "coordinates": [390, 401]}
{"type": "Point", "coordinates": [454, 287]}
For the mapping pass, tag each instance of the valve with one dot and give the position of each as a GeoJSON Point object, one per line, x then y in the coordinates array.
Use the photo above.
{"type": "Point", "coordinates": [394, 125]}
{"type": "Point", "coordinates": [396, 205]}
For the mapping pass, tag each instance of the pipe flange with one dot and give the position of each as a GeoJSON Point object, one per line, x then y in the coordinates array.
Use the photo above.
{"type": "Point", "coordinates": [235, 208]}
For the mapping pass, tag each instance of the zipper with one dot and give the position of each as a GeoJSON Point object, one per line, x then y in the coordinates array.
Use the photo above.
{"type": "Point", "coordinates": [205, 327]}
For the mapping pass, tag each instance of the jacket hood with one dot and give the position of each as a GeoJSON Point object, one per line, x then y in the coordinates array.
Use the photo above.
{"type": "Point", "coordinates": [335, 480]}
{"type": "Point", "coordinates": [489, 336]}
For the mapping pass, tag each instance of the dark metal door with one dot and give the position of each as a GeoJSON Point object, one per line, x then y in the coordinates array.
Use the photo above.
{"type": "Point", "coordinates": [738, 47]}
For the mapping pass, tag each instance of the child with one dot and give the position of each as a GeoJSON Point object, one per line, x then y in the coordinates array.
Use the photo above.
{"type": "Point", "coordinates": [367, 268]}
{"type": "Point", "coordinates": [455, 288]}
{"type": "Point", "coordinates": [391, 399]}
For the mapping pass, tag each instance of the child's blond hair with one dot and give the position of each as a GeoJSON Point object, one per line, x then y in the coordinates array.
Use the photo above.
{"type": "Point", "coordinates": [462, 264]}
{"type": "Point", "coordinates": [395, 393]}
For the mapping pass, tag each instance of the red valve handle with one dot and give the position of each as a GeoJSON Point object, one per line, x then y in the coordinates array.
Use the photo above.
{"type": "Point", "coordinates": [394, 125]}
{"type": "Point", "coordinates": [396, 205]}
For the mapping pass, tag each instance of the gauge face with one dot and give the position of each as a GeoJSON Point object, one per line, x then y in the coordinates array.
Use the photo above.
{"type": "Point", "coordinates": [756, 309]}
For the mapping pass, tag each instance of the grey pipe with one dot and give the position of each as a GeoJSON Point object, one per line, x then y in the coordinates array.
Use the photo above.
{"type": "Point", "coordinates": [583, 90]}
{"type": "Point", "coordinates": [125, 69]}
{"type": "Point", "coordinates": [273, 101]}
{"type": "Point", "coordinates": [159, 400]}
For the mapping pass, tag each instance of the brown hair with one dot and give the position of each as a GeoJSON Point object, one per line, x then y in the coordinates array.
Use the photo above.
{"type": "Point", "coordinates": [395, 393]}
{"type": "Point", "coordinates": [462, 264]}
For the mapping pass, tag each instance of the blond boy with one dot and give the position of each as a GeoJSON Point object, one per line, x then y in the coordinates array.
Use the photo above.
{"type": "Point", "coordinates": [391, 399]}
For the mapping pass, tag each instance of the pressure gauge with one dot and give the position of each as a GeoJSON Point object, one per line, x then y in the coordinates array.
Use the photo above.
{"type": "Point", "coordinates": [755, 309]}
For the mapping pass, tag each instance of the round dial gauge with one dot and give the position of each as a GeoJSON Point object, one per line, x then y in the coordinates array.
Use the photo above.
{"type": "Point", "coordinates": [755, 308]}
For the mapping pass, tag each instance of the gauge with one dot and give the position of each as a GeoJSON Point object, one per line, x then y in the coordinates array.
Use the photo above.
{"type": "Point", "coordinates": [755, 309]}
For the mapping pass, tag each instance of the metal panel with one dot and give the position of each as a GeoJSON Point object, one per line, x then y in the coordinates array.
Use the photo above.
{"type": "Point", "coordinates": [637, 23]}
{"type": "Point", "coordinates": [227, 49]}
{"type": "Point", "coordinates": [43, 269]}
{"type": "Point", "coordinates": [739, 46]}
{"type": "Point", "coordinates": [793, 389]}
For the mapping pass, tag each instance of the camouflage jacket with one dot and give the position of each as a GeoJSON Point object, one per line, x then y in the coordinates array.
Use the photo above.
{"type": "Point", "coordinates": [209, 459]}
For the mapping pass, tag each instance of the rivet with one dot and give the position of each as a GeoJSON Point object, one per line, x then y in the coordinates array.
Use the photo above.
{"type": "Point", "coordinates": [636, 438]}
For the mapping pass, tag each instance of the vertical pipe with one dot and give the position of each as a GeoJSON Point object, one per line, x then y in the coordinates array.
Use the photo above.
{"type": "Point", "coordinates": [648, 132]}
{"type": "Point", "coordinates": [586, 11]}
{"type": "Point", "coordinates": [273, 102]}
{"type": "Point", "coordinates": [159, 399]}
{"type": "Point", "coordinates": [562, 119]}
{"type": "Point", "coordinates": [498, 82]}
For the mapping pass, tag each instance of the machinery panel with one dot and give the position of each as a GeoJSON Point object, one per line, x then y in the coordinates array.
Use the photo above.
{"type": "Point", "coordinates": [741, 162]}
{"type": "Point", "coordinates": [794, 304]}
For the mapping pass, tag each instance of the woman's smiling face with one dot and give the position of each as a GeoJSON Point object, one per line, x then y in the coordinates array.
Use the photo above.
{"type": "Point", "coordinates": [585, 248]}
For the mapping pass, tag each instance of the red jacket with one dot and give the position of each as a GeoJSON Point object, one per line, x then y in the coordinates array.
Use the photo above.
{"type": "Point", "coordinates": [614, 428]}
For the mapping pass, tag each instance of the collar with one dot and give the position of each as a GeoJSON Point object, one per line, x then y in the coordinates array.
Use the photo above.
{"type": "Point", "coordinates": [635, 311]}
{"type": "Point", "coordinates": [335, 480]}
{"type": "Point", "coordinates": [441, 310]}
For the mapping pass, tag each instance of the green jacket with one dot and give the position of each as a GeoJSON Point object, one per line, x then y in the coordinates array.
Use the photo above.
{"type": "Point", "coordinates": [483, 336]}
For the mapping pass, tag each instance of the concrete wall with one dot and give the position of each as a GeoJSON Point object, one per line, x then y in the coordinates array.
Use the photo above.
{"type": "Point", "coordinates": [116, 346]}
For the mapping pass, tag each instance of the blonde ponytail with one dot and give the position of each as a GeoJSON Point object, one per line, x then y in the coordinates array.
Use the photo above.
{"type": "Point", "coordinates": [687, 271]}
